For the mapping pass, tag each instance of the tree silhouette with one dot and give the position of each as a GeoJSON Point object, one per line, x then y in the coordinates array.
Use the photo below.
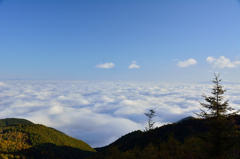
{"type": "Point", "coordinates": [222, 128]}
{"type": "Point", "coordinates": [215, 105]}
{"type": "Point", "coordinates": [150, 124]}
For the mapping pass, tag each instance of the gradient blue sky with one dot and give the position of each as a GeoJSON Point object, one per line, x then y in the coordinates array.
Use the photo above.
{"type": "Point", "coordinates": [68, 40]}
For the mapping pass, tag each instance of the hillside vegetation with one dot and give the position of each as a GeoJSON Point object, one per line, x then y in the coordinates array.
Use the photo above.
{"type": "Point", "coordinates": [20, 138]}
{"type": "Point", "coordinates": [13, 121]}
{"type": "Point", "coordinates": [181, 140]}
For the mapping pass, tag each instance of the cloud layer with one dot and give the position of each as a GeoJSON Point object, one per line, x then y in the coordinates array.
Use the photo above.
{"type": "Point", "coordinates": [105, 65]}
{"type": "Point", "coordinates": [187, 63]}
{"type": "Point", "coordinates": [222, 62]}
{"type": "Point", "coordinates": [101, 112]}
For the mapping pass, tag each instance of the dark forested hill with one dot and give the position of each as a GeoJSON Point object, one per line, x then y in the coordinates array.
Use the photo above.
{"type": "Point", "coordinates": [21, 138]}
{"type": "Point", "coordinates": [179, 130]}
{"type": "Point", "coordinates": [177, 140]}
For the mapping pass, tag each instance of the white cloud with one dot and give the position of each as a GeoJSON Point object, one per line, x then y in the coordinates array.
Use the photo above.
{"type": "Point", "coordinates": [222, 62]}
{"type": "Point", "coordinates": [101, 112]}
{"type": "Point", "coordinates": [105, 65]}
{"type": "Point", "coordinates": [187, 63]}
{"type": "Point", "coordinates": [133, 65]}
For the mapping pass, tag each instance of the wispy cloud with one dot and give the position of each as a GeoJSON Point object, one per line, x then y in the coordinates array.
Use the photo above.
{"type": "Point", "coordinates": [187, 63]}
{"type": "Point", "coordinates": [222, 62]}
{"type": "Point", "coordinates": [105, 65]}
{"type": "Point", "coordinates": [133, 65]}
{"type": "Point", "coordinates": [237, 57]}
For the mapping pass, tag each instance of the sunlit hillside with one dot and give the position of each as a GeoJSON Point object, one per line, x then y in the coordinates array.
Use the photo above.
{"type": "Point", "coordinates": [21, 138]}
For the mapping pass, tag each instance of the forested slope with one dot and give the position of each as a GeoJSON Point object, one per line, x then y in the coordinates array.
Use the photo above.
{"type": "Point", "coordinates": [13, 121]}
{"type": "Point", "coordinates": [181, 140]}
{"type": "Point", "coordinates": [38, 141]}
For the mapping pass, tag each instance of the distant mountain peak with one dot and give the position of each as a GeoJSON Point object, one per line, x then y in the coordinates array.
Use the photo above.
{"type": "Point", "coordinates": [186, 118]}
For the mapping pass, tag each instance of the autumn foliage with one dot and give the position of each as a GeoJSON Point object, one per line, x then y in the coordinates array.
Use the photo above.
{"type": "Point", "coordinates": [39, 141]}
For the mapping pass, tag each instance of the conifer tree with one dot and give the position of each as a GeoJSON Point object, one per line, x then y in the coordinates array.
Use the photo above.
{"type": "Point", "coordinates": [222, 128]}
{"type": "Point", "coordinates": [150, 124]}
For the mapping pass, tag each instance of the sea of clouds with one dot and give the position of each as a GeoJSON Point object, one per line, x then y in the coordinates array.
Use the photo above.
{"type": "Point", "coordinates": [101, 112]}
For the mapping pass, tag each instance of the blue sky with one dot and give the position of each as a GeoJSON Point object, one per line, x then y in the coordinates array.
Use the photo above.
{"type": "Point", "coordinates": [106, 44]}
{"type": "Point", "coordinates": [135, 40]}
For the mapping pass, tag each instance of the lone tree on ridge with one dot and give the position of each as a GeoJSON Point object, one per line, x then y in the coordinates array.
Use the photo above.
{"type": "Point", "coordinates": [150, 124]}
{"type": "Point", "coordinates": [223, 134]}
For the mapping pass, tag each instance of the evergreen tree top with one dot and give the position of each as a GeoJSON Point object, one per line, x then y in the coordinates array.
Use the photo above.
{"type": "Point", "coordinates": [215, 105]}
